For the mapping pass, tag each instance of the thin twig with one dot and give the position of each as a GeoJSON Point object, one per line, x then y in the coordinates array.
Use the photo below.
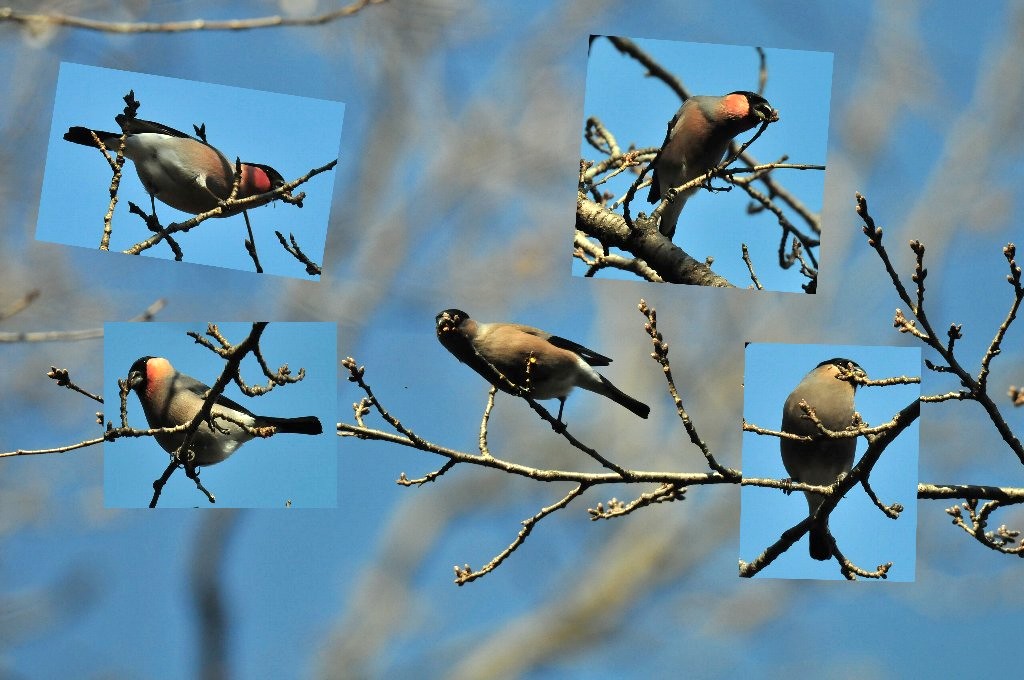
{"type": "Point", "coordinates": [58, 19]}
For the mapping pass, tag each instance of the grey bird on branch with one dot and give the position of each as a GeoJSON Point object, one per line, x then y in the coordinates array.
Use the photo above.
{"type": "Point", "coordinates": [822, 461]}
{"type": "Point", "coordinates": [184, 172]}
{"type": "Point", "coordinates": [170, 399]}
{"type": "Point", "coordinates": [544, 365]}
{"type": "Point", "coordinates": [697, 140]}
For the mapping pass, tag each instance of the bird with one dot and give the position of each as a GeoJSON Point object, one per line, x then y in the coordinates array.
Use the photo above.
{"type": "Point", "coordinates": [556, 365]}
{"type": "Point", "coordinates": [186, 173]}
{"type": "Point", "coordinates": [697, 139]}
{"type": "Point", "coordinates": [822, 461]}
{"type": "Point", "coordinates": [170, 398]}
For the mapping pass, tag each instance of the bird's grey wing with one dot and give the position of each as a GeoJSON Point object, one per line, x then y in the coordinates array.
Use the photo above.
{"type": "Point", "coordinates": [187, 382]}
{"type": "Point", "coordinates": [590, 356]}
{"type": "Point", "coordinates": [506, 343]}
{"type": "Point", "coordinates": [792, 416]}
{"type": "Point", "coordinates": [192, 385]}
{"type": "Point", "coordinates": [233, 405]}
{"type": "Point", "coordinates": [654, 195]}
{"type": "Point", "coordinates": [522, 328]}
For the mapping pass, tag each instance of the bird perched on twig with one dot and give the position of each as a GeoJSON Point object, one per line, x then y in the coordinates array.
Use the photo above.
{"type": "Point", "coordinates": [170, 399]}
{"type": "Point", "coordinates": [820, 462]}
{"type": "Point", "coordinates": [544, 365]}
{"type": "Point", "coordinates": [184, 172]}
{"type": "Point", "coordinates": [697, 139]}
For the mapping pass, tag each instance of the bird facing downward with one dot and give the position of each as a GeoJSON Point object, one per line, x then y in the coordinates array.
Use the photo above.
{"type": "Point", "coordinates": [183, 172]}
{"type": "Point", "coordinates": [170, 398]}
{"type": "Point", "coordinates": [556, 365]}
{"type": "Point", "coordinates": [697, 140]}
{"type": "Point", "coordinates": [820, 462]}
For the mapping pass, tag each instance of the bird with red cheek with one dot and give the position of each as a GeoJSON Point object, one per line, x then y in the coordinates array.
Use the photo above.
{"type": "Point", "coordinates": [698, 138]}
{"type": "Point", "coordinates": [527, 357]}
{"type": "Point", "coordinates": [184, 172]}
{"type": "Point", "coordinates": [822, 461]}
{"type": "Point", "coordinates": [170, 398]}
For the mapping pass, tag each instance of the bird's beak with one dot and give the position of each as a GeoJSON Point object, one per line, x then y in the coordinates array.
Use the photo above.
{"type": "Point", "coordinates": [855, 371]}
{"type": "Point", "coordinates": [135, 378]}
{"type": "Point", "coordinates": [765, 112]}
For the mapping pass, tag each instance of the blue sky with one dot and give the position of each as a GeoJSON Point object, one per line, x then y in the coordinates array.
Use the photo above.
{"type": "Point", "coordinates": [636, 108]}
{"type": "Point", "coordinates": [459, 160]}
{"type": "Point", "coordinates": [263, 472]}
{"type": "Point", "coordinates": [864, 534]}
{"type": "Point", "coordinates": [291, 134]}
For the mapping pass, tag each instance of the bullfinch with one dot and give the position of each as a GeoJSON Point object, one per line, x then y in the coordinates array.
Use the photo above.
{"type": "Point", "coordinates": [820, 462]}
{"type": "Point", "coordinates": [557, 365]}
{"type": "Point", "coordinates": [170, 398]}
{"type": "Point", "coordinates": [697, 140]}
{"type": "Point", "coordinates": [184, 172]}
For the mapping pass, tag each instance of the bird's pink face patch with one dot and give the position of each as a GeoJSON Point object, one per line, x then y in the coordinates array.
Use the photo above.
{"type": "Point", "coordinates": [158, 370]}
{"type": "Point", "coordinates": [744, 113]}
{"type": "Point", "coordinates": [259, 180]}
{"type": "Point", "coordinates": [254, 180]}
{"type": "Point", "coordinates": [736, 106]}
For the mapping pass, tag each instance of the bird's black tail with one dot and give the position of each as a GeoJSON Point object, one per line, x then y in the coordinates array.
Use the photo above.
{"type": "Point", "coordinates": [303, 425]}
{"type": "Point", "coordinates": [83, 135]}
{"type": "Point", "coordinates": [623, 399]}
{"type": "Point", "coordinates": [821, 543]}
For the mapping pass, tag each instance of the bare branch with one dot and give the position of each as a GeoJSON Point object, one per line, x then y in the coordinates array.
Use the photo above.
{"type": "Point", "coordinates": [9, 14]}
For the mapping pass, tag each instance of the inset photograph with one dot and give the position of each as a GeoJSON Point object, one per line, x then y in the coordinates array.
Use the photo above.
{"type": "Point", "coordinates": [838, 416]}
{"type": "Point", "coordinates": [702, 164]}
{"type": "Point", "coordinates": [177, 169]}
{"type": "Point", "coordinates": [265, 437]}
